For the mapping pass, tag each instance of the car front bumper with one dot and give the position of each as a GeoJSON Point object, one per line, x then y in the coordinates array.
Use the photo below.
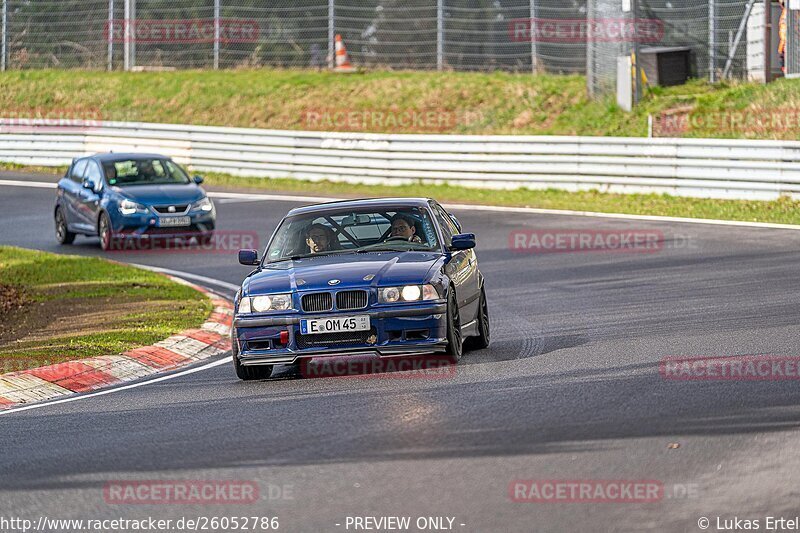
{"type": "Point", "coordinates": [149, 225]}
{"type": "Point", "coordinates": [396, 331]}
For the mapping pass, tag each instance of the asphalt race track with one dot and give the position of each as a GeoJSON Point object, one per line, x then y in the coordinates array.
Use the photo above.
{"type": "Point", "coordinates": [569, 390]}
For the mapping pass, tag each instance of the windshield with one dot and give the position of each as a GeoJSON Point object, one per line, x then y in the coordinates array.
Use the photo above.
{"type": "Point", "coordinates": [399, 229]}
{"type": "Point", "coordinates": [144, 171]}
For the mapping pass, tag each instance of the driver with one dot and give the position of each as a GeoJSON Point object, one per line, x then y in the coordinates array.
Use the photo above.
{"type": "Point", "coordinates": [320, 238]}
{"type": "Point", "coordinates": [403, 226]}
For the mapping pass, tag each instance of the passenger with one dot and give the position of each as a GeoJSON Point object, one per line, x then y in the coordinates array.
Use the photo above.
{"type": "Point", "coordinates": [320, 238]}
{"type": "Point", "coordinates": [782, 37]}
{"type": "Point", "coordinates": [403, 226]}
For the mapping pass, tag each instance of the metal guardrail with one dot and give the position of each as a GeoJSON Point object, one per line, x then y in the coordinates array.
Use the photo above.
{"type": "Point", "coordinates": [710, 168]}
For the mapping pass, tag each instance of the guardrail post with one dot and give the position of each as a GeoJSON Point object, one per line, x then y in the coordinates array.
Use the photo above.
{"type": "Point", "coordinates": [216, 34]}
{"type": "Point", "coordinates": [4, 37]}
{"type": "Point", "coordinates": [439, 34]}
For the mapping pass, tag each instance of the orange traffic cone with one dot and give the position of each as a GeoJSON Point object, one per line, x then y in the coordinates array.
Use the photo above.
{"type": "Point", "coordinates": [342, 60]}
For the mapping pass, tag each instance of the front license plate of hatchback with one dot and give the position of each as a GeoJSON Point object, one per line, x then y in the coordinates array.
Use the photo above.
{"type": "Point", "coordinates": [174, 222]}
{"type": "Point", "coordinates": [334, 324]}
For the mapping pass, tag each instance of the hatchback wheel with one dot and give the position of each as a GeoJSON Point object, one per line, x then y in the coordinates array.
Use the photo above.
{"type": "Point", "coordinates": [106, 235]}
{"type": "Point", "coordinates": [63, 234]}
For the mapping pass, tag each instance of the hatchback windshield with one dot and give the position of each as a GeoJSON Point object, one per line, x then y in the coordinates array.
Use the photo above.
{"type": "Point", "coordinates": [144, 172]}
{"type": "Point", "coordinates": [398, 228]}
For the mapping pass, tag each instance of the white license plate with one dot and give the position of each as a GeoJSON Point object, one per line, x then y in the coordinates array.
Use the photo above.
{"type": "Point", "coordinates": [336, 324]}
{"type": "Point", "coordinates": [174, 222]}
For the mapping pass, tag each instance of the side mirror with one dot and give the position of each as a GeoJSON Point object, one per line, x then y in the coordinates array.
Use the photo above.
{"type": "Point", "coordinates": [248, 257]}
{"type": "Point", "coordinates": [463, 241]}
{"type": "Point", "coordinates": [198, 179]}
{"type": "Point", "coordinates": [89, 184]}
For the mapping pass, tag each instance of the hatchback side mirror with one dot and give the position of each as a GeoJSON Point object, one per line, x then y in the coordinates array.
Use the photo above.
{"type": "Point", "coordinates": [463, 241]}
{"type": "Point", "coordinates": [198, 179]}
{"type": "Point", "coordinates": [89, 185]}
{"type": "Point", "coordinates": [248, 257]}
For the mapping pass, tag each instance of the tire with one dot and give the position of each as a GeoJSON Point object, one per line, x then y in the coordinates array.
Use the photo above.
{"type": "Point", "coordinates": [455, 341]}
{"type": "Point", "coordinates": [248, 373]}
{"type": "Point", "coordinates": [482, 340]}
{"type": "Point", "coordinates": [105, 232]}
{"type": "Point", "coordinates": [63, 234]}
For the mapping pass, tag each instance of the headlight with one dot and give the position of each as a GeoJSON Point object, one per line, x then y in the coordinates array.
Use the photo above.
{"type": "Point", "coordinates": [244, 306]}
{"type": "Point", "coordinates": [261, 304]}
{"type": "Point", "coordinates": [389, 294]}
{"type": "Point", "coordinates": [409, 293]}
{"type": "Point", "coordinates": [127, 207]}
{"type": "Point", "coordinates": [204, 205]}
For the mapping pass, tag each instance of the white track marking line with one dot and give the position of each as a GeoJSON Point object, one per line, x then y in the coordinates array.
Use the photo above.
{"type": "Point", "coordinates": [119, 389]}
{"type": "Point", "coordinates": [470, 207]}
{"type": "Point", "coordinates": [254, 197]}
{"type": "Point", "coordinates": [654, 218]}
{"type": "Point", "coordinates": [187, 275]}
{"type": "Point", "coordinates": [239, 200]}
{"type": "Point", "coordinates": [32, 184]}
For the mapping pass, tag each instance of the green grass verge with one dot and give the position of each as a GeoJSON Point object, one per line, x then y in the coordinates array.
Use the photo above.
{"type": "Point", "coordinates": [783, 211]}
{"type": "Point", "coordinates": [81, 307]}
{"type": "Point", "coordinates": [460, 102]}
{"type": "Point", "coordinates": [55, 171]}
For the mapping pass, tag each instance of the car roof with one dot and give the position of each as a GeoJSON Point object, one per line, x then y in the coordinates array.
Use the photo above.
{"type": "Point", "coordinates": [360, 203]}
{"type": "Point", "coordinates": [122, 156]}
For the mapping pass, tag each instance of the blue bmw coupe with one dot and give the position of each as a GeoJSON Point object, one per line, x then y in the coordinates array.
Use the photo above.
{"type": "Point", "coordinates": [386, 277]}
{"type": "Point", "coordinates": [122, 197]}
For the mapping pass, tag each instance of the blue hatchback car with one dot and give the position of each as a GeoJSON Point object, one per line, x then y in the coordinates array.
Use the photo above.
{"type": "Point", "coordinates": [385, 277]}
{"type": "Point", "coordinates": [131, 196]}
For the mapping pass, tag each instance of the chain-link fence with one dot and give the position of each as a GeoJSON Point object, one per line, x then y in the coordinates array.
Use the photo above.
{"type": "Point", "coordinates": [558, 36]}
{"type": "Point", "coordinates": [714, 33]}
{"type": "Point", "coordinates": [396, 34]}
{"type": "Point", "coordinates": [793, 44]}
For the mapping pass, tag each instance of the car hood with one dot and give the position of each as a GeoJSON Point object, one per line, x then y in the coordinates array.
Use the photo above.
{"type": "Point", "coordinates": [162, 194]}
{"type": "Point", "coordinates": [314, 273]}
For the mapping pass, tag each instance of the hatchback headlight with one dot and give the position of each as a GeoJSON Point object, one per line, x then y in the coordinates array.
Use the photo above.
{"type": "Point", "coordinates": [408, 293]}
{"type": "Point", "coordinates": [127, 207]}
{"type": "Point", "coordinates": [262, 304]}
{"type": "Point", "coordinates": [204, 204]}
